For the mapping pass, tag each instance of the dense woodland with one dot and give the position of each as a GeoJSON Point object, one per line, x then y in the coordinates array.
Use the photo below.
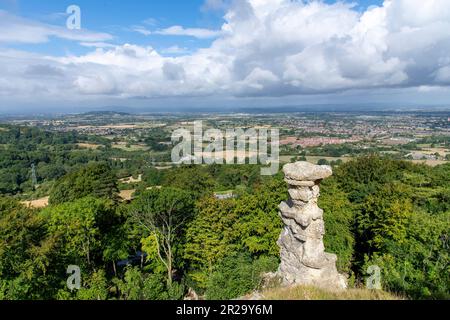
{"type": "Point", "coordinates": [379, 211]}
{"type": "Point", "coordinates": [55, 154]}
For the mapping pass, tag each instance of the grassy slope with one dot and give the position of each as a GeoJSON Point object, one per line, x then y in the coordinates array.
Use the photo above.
{"type": "Point", "coordinates": [311, 293]}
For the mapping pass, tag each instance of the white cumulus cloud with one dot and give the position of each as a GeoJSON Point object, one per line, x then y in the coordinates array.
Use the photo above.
{"type": "Point", "coordinates": [269, 48]}
{"type": "Point", "coordinates": [15, 29]}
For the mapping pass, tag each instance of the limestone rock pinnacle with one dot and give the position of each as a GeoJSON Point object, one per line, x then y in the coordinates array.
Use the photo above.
{"type": "Point", "coordinates": [303, 257]}
{"type": "Point", "coordinates": [305, 171]}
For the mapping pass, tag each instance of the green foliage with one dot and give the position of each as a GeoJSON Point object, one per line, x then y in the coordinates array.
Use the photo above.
{"type": "Point", "coordinates": [210, 236]}
{"type": "Point", "coordinates": [21, 263]}
{"type": "Point", "coordinates": [95, 287]}
{"type": "Point", "coordinates": [259, 225]}
{"type": "Point", "coordinates": [163, 215]}
{"type": "Point", "coordinates": [229, 176]}
{"type": "Point", "coordinates": [53, 153]}
{"type": "Point", "coordinates": [401, 223]}
{"type": "Point", "coordinates": [366, 175]}
{"type": "Point", "coordinates": [338, 215]}
{"type": "Point", "coordinates": [250, 223]}
{"type": "Point", "coordinates": [95, 180]}
{"type": "Point", "coordinates": [153, 177]}
{"type": "Point", "coordinates": [192, 179]}
{"type": "Point", "coordinates": [377, 211]}
{"type": "Point", "coordinates": [139, 286]}
{"type": "Point", "coordinates": [382, 216]}
{"type": "Point", "coordinates": [419, 265]}
{"type": "Point", "coordinates": [204, 180]}
{"type": "Point", "coordinates": [236, 275]}
{"type": "Point", "coordinates": [151, 247]}
{"type": "Point", "coordinates": [78, 229]}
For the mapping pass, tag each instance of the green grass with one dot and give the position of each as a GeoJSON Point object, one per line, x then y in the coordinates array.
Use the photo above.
{"type": "Point", "coordinates": [130, 148]}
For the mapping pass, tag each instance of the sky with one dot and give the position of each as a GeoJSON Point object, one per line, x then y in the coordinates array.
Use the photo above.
{"type": "Point", "coordinates": [158, 55]}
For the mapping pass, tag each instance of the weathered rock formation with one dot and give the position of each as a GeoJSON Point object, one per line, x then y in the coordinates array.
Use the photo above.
{"type": "Point", "coordinates": [303, 257]}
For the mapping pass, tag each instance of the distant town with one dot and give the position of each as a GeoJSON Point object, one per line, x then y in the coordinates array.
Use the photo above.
{"type": "Point", "coordinates": [326, 137]}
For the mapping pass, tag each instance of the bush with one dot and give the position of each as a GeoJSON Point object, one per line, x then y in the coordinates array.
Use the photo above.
{"type": "Point", "coordinates": [418, 265]}
{"type": "Point", "coordinates": [95, 180]}
{"type": "Point", "coordinates": [338, 215]}
{"type": "Point", "coordinates": [238, 275]}
{"type": "Point", "coordinates": [137, 285]}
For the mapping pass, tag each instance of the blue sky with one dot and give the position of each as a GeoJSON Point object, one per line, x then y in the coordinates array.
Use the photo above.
{"type": "Point", "coordinates": [118, 17]}
{"type": "Point", "coordinates": [224, 53]}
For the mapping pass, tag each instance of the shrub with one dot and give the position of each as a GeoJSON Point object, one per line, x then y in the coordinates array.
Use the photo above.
{"type": "Point", "coordinates": [238, 275]}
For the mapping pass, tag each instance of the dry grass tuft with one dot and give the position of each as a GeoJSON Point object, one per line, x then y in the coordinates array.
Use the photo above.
{"type": "Point", "coordinates": [312, 293]}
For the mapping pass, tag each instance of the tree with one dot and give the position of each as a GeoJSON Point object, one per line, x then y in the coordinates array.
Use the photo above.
{"type": "Point", "coordinates": [210, 237]}
{"type": "Point", "coordinates": [192, 179]}
{"type": "Point", "coordinates": [79, 230]}
{"type": "Point", "coordinates": [259, 224]}
{"type": "Point", "coordinates": [366, 175]}
{"type": "Point", "coordinates": [237, 274]}
{"type": "Point", "coordinates": [400, 222]}
{"type": "Point", "coordinates": [322, 162]}
{"type": "Point", "coordinates": [419, 264]}
{"type": "Point", "coordinates": [163, 214]}
{"type": "Point", "coordinates": [23, 253]}
{"type": "Point", "coordinates": [382, 216]}
{"type": "Point", "coordinates": [137, 285]}
{"type": "Point", "coordinates": [250, 223]}
{"type": "Point", "coordinates": [338, 217]}
{"type": "Point", "coordinates": [96, 180]}
{"type": "Point", "coordinates": [153, 177]}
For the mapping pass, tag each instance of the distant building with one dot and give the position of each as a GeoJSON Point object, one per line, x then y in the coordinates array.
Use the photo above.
{"type": "Point", "coordinates": [224, 196]}
{"type": "Point", "coordinates": [421, 156]}
{"type": "Point", "coordinates": [316, 141]}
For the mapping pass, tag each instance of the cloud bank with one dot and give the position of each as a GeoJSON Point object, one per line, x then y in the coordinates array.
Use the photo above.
{"type": "Point", "coordinates": [265, 48]}
{"type": "Point", "coordinates": [19, 30]}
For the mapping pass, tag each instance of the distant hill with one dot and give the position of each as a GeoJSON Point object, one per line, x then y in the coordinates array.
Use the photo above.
{"type": "Point", "coordinates": [106, 113]}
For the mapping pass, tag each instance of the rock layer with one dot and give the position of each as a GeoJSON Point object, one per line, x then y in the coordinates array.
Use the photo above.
{"type": "Point", "coordinates": [303, 257]}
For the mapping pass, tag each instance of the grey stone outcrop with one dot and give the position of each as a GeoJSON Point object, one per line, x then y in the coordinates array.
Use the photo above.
{"type": "Point", "coordinates": [303, 257]}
